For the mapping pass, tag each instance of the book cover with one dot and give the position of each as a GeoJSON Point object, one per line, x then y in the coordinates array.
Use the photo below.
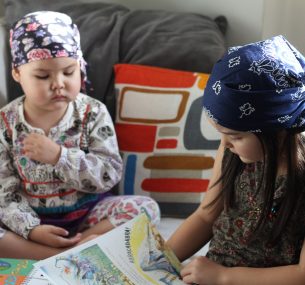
{"type": "Point", "coordinates": [14, 271]}
{"type": "Point", "coordinates": [132, 254]}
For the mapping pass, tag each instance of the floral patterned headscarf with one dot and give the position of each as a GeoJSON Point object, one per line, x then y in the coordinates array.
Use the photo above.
{"type": "Point", "coordinates": [43, 35]}
{"type": "Point", "coordinates": [258, 87]}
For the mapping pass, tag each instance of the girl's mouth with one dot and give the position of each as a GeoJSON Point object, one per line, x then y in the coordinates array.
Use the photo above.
{"type": "Point", "coordinates": [59, 98]}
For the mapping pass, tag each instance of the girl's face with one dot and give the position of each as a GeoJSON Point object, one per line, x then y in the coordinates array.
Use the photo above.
{"type": "Point", "coordinates": [49, 84]}
{"type": "Point", "coordinates": [244, 144]}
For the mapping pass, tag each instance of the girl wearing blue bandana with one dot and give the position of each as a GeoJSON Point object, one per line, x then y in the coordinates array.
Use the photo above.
{"type": "Point", "coordinates": [254, 212]}
{"type": "Point", "coordinates": [58, 148]}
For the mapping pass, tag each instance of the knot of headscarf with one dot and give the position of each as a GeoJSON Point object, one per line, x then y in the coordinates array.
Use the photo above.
{"type": "Point", "coordinates": [258, 87]}
{"type": "Point", "coordinates": [44, 35]}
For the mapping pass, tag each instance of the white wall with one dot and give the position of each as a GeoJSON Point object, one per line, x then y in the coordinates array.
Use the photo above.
{"type": "Point", "coordinates": [285, 17]}
{"type": "Point", "coordinates": [294, 23]}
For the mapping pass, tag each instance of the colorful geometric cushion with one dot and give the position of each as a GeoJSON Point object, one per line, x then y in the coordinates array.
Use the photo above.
{"type": "Point", "coordinates": [168, 147]}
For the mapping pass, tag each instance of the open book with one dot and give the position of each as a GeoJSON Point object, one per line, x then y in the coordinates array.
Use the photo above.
{"type": "Point", "coordinates": [131, 254]}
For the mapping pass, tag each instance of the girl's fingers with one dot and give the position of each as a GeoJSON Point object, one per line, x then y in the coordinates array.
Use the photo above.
{"type": "Point", "coordinates": [76, 238]}
{"type": "Point", "coordinates": [67, 242]}
{"type": "Point", "coordinates": [59, 231]}
{"type": "Point", "coordinates": [185, 271]}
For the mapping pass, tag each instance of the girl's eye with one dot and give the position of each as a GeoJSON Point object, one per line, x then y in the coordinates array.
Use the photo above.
{"type": "Point", "coordinates": [68, 73]}
{"type": "Point", "coordinates": [235, 138]}
{"type": "Point", "coordinates": [42, 77]}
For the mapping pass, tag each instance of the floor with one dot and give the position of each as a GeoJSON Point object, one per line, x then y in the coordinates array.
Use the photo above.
{"type": "Point", "coordinates": [169, 225]}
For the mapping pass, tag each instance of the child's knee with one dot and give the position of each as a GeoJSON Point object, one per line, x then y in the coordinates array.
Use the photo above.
{"type": "Point", "coordinates": [152, 210]}
{"type": "Point", "coordinates": [132, 206]}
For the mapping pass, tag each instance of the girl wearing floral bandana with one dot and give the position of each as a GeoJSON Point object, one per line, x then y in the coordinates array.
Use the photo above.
{"type": "Point", "coordinates": [254, 211]}
{"type": "Point", "coordinates": [58, 148]}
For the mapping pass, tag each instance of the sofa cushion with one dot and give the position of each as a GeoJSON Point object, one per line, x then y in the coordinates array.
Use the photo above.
{"type": "Point", "coordinates": [168, 147]}
{"type": "Point", "coordinates": [112, 34]}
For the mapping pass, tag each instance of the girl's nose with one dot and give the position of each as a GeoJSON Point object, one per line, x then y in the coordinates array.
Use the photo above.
{"type": "Point", "coordinates": [226, 142]}
{"type": "Point", "coordinates": [57, 83]}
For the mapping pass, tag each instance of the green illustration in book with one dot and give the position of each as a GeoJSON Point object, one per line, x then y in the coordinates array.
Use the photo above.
{"type": "Point", "coordinates": [90, 266]}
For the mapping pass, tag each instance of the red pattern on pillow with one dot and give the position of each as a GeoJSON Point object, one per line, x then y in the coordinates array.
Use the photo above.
{"type": "Point", "coordinates": [167, 145]}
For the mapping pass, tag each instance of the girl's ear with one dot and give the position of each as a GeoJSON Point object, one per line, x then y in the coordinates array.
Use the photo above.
{"type": "Point", "coordinates": [16, 74]}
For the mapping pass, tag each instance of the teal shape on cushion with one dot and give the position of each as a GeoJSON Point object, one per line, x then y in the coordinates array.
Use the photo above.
{"type": "Point", "coordinates": [130, 174]}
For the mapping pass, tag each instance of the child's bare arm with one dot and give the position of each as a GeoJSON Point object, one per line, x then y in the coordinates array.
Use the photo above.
{"type": "Point", "coordinates": [196, 230]}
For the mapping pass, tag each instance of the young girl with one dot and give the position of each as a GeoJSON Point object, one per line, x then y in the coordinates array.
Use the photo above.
{"type": "Point", "coordinates": [58, 148]}
{"type": "Point", "coordinates": [254, 212]}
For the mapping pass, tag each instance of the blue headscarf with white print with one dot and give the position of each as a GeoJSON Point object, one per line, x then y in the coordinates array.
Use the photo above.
{"type": "Point", "coordinates": [43, 35]}
{"type": "Point", "coordinates": [258, 87]}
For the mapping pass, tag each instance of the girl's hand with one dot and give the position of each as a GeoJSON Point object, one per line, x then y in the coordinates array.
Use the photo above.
{"type": "Point", "coordinates": [90, 237]}
{"type": "Point", "coordinates": [203, 271]}
{"type": "Point", "coordinates": [53, 236]}
{"type": "Point", "coordinates": [40, 148]}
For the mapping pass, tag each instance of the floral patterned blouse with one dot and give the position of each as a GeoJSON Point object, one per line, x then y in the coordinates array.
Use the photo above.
{"type": "Point", "coordinates": [89, 164]}
{"type": "Point", "coordinates": [231, 230]}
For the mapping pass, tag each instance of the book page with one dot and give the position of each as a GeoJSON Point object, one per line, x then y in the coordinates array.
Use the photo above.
{"type": "Point", "coordinates": [133, 253]}
{"type": "Point", "coordinates": [36, 277]}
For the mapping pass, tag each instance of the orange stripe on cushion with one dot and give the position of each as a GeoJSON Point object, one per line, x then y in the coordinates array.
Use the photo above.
{"type": "Point", "coordinates": [179, 162]}
{"type": "Point", "coordinates": [153, 76]}
{"type": "Point", "coordinates": [175, 185]}
{"type": "Point", "coordinates": [167, 143]}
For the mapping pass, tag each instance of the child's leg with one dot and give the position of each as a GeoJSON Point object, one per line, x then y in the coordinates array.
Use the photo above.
{"type": "Point", "coordinates": [14, 246]}
{"type": "Point", "coordinates": [115, 210]}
